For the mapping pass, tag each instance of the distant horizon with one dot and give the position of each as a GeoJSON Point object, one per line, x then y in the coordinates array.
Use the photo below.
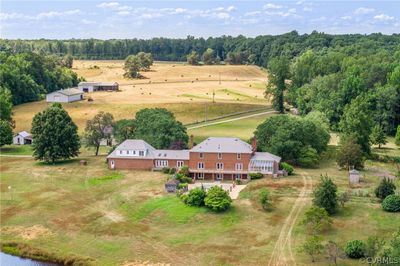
{"type": "Point", "coordinates": [203, 37]}
{"type": "Point", "coordinates": [113, 19]}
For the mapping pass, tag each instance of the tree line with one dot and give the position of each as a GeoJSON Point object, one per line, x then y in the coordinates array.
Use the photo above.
{"type": "Point", "coordinates": [358, 93]}
{"type": "Point", "coordinates": [259, 50]}
{"type": "Point", "coordinates": [29, 76]}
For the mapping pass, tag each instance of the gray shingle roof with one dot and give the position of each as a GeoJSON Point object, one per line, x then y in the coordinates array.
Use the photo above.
{"type": "Point", "coordinates": [134, 144]}
{"type": "Point", "coordinates": [265, 156]}
{"type": "Point", "coordinates": [69, 92]}
{"type": "Point", "coordinates": [228, 145]}
{"type": "Point", "coordinates": [24, 134]}
{"type": "Point", "coordinates": [172, 154]}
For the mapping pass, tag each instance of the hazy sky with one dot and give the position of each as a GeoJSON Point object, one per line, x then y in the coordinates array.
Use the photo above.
{"type": "Point", "coordinates": [60, 19]}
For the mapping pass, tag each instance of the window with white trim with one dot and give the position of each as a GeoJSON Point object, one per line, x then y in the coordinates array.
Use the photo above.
{"type": "Point", "coordinates": [201, 155]}
{"type": "Point", "coordinates": [219, 155]}
{"type": "Point", "coordinates": [200, 165]}
{"type": "Point", "coordinates": [200, 175]}
{"type": "Point", "coordinates": [161, 163]}
{"type": "Point", "coordinates": [220, 166]}
{"type": "Point", "coordinates": [239, 166]}
{"type": "Point", "coordinates": [141, 153]}
{"type": "Point", "coordinates": [239, 156]}
{"type": "Point", "coordinates": [179, 164]}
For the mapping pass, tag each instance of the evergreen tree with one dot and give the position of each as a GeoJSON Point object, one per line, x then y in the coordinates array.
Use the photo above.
{"type": "Point", "coordinates": [378, 136]}
{"type": "Point", "coordinates": [325, 195]}
{"type": "Point", "coordinates": [55, 135]}
{"type": "Point", "coordinates": [386, 187]}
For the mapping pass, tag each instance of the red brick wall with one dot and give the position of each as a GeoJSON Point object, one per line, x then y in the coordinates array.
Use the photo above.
{"type": "Point", "coordinates": [210, 160]}
{"type": "Point", "coordinates": [142, 164]}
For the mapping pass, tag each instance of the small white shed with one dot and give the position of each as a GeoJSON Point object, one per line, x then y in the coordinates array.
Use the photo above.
{"type": "Point", "coordinates": [65, 96]}
{"type": "Point", "coordinates": [22, 138]}
{"type": "Point", "coordinates": [354, 177]}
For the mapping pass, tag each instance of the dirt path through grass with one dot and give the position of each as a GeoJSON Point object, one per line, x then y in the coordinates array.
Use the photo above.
{"type": "Point", "coordinates": [282, 253]}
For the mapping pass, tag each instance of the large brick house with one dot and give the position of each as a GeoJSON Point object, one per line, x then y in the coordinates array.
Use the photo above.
{"type": "Point", "coordinates": [213, 159]}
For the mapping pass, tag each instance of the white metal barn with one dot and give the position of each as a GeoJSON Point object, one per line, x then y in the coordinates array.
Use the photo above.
{"type": "Point", "coordinates": [85, 86]}
{"type": "Point", "coordinates": [64, 96]}
{"type": "Point", "coordinates": [22, 138]}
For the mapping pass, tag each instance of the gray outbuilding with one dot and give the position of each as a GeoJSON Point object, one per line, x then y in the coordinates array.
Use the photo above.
{"type": "Point", "coordinates": [22, 138]}
{"type": "Point", "coordinates": [65, 96]}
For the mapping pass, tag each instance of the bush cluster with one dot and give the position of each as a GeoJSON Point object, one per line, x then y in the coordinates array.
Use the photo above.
{"type": "Point", "coordinates": [391, 203]}
{"type": "Point", "coordinates": [288, 168]}
{"type": "Point", "coordinates": [254, 176]}
{"type": "Point", "coordinates": [216, 199]}
{"type": "Point", "coordinates": [355, 249]}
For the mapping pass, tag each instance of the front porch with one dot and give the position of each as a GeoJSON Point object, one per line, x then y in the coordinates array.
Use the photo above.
{"type": "Point", "coordinates": [218, 175]}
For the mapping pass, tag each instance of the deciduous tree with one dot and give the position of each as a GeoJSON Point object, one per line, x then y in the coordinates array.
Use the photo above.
{"type": "Point", "coordinates": [278, 74]}
{"type": "Point", "coordinates": [159, 128]}
{"type": "Point", "coordinates": [132, 66]}
{"type": "Point", "coordinates": [349, 154]}
{"type": "Point", "coordinates": [312, 246]}
{"type": "Point", "coordinates": [98, 129]}
{"type": "Point", "coordinates": [378, 136]}
{"type": "Point", "coordinates": [55, 135]}
{"type": "Point", "coordinates": [6, 134]}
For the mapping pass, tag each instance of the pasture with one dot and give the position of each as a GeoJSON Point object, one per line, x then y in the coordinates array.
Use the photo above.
{"type": "Point", "coordinates": [188, 91]}
{"type": "Point", "coordinates": [112, 218]}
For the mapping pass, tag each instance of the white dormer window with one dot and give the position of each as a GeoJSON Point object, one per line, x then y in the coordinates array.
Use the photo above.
{"type": "Point", "coordinates": [134, 152]}
{"type": "Point", "coordinates": [141, 153]}
{"type": "Point", "coordinates": [219, 155]}
{"type": "Point", "coordinates": [120, 152]}
{"type": "Point", "coordinates": [127, 152]}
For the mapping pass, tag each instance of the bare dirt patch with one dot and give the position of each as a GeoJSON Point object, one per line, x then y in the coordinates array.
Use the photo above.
{"type": "Point", "coordinates": [27, 233]}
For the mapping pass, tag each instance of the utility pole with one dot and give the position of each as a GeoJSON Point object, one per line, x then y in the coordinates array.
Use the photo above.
{"type": "Point", "coordinates": [213, 96]}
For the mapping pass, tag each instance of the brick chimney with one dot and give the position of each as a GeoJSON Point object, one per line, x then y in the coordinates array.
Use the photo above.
{"type": "Point", "coordinates": [191, 141]}
{"type": "Point", "coordinates": [254, 144]}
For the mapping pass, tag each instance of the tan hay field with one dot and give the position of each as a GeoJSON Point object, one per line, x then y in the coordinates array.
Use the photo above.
{"type": "Point", "coordinates": [181, 88]}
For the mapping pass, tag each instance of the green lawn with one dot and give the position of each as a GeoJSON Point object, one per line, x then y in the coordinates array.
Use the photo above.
{"type": "Point", "coordinates": [243, 129]}
{"type": "Point", "coordinates": [16, 150]}
{"type": "Point", "coordinates": [109, 217]}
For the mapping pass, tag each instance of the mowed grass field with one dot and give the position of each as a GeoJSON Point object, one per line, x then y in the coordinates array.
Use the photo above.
{"type": "Point", "coordinates": [116, 217]}
{"type": "Point", "coordinates": [181, 88]}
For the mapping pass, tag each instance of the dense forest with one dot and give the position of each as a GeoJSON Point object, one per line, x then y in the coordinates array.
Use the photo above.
{"type": "Point", "coordinates": [29, 76]}
{"type": "Point", "coordinates": [258, 50]}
